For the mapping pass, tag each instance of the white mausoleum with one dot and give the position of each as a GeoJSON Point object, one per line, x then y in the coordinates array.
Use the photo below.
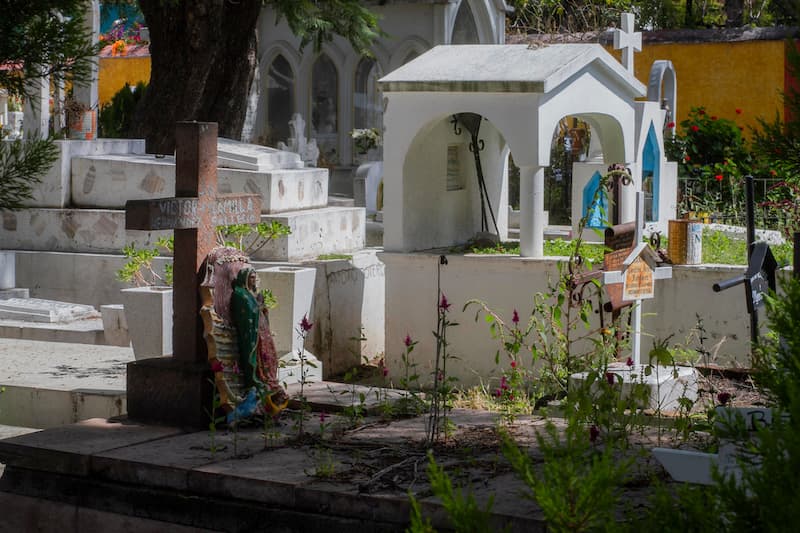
{"type": "Point", "coordinates": [431, 195]}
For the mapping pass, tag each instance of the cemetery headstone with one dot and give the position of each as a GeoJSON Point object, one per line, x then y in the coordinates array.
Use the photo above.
{"type": "Point", "coordinates": [174, 390]}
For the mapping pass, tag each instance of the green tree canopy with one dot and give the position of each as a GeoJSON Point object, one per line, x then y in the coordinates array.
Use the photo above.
{"type": "Point", "coordinates": [44, 38]}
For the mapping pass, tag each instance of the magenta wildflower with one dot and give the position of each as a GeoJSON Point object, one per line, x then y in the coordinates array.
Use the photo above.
{"type": "Point", "coordinates": [513, 364]}
{"type": "Point", "coordinates": [610, 378]}
{"type": "Point", "coordinates": [498, 392]}
{"type": "Point", "coordinates": [444, 305]}
{"type": "Point", "coordinates": [323, 416]}
{"type": "Point", "coordinates": [503, 383]}
{"type": "Point", "coordinates": [629, 362]}
{"type": "Point", "coordinates": [593, 433]}
{"type": "Point", "coordinates": [305, 325]}
{"type": "Point", "coordinates": [515, 318]}
{"type": "Point", "coordinates": [408, 342]}
{"type": "Point", "coordinates": [216, 366]}
{"type": "Point", "coordinates": [385, 371]}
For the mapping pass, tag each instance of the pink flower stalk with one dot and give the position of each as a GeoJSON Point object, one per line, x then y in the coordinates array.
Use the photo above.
{"type": "Point", "coordinates": [444, 305]}
{"type": "Point", "coordinates": [305, 325]}
{"type": "Point", "coordinates": [515, 318]}
{"type": "Point", "coordinates": [408, 342]}
{"type": "Point", "coordinates": [503, 383]}
{"type": "Point", "coordinates": [216, 366]}
{"type": "Point", "coordinates": [498, 393]}
{"type": "Point", "coordinates": [385, 372]}
{"type": "Point", "coordinates": [629, 362]}
{"type": "Point", "coordinates": [323, 416]}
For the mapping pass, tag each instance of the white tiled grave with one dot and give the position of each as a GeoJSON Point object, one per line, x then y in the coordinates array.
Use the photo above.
{"type": "Point", "coordinates": [666, 384]}
{"type": "Point", "coordinates": [39, 310]}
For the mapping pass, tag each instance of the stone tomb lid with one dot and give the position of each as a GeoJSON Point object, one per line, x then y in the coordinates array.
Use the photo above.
{"type": "Point", "coordinates": [39, 310]}
{"type": "Point", "coordinates": [244, 156]}
{"type": "Point", "coordinates": [505, 68]}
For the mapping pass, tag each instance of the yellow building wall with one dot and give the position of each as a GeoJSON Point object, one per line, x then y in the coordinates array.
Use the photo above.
{"type": "Point", "coordinates": [722, 77]}
{"type": "Point", "coordinates": [114, 72]}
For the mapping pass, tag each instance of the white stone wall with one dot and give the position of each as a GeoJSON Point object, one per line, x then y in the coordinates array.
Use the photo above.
{"type": "Point", "coordinates": [506, 283]}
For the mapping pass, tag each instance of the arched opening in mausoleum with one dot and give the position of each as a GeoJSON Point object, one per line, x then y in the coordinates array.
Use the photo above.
{"type": "Point", "coordinates": [325, 107]}
{"type": "Point", "coordinates": [455, 181]}
{"type": "Point", "coordinates": [651, 173]}
{"type": "Point", "coordinates": [465, 31]}
{"type": "Point", "coordinates": [280, 100]}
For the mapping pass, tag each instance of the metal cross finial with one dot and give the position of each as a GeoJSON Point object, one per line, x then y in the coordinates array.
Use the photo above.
{"type": "Point", "coordinates": [627, 40]}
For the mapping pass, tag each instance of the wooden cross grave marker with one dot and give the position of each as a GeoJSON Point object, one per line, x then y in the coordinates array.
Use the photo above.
{"type": "Point", "coordinates": [637, 275]}
{"type": "Point", "coordinates": [194, 213]}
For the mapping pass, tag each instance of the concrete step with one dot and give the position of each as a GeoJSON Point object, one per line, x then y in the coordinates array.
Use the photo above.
{"type": "Point", "coordinates": [107, 181]}
{"type": "Point", "coordinates": [86, 331]}
{"type": "Point", "coordinates": [49, 384]}
{"type": "Point", "coordinates": [326, 230]}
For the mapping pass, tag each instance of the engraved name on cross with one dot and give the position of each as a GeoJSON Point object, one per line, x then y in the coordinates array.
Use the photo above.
{"type": "Point", "coordinates": [194, 214]}
{"type": "Point", "coordinates": [627, 40]}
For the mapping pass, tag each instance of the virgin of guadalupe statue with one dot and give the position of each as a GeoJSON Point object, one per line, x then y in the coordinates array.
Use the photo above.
{"type": "Point", "coordinates": [241, 350]}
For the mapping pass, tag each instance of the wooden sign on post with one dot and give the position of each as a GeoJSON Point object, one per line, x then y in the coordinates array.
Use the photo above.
{"type": "Point", "coordinates": [637, 276]}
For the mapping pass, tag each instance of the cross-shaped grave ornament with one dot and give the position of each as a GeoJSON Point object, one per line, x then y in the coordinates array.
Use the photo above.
{"type": "Point", "coordinates": [627, 40]}
{"type": "Point", "coordinates": [637, 275]}
{"type": "Point", "coordinates": [194, 214]}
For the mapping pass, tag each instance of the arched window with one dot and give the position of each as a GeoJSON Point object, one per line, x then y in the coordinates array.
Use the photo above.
{"type": "Point", "coordinates": [280, 100]}
{"type": "Point", "coordinates": [325, 107]}
{"type": "Point", "coordinates": [410, 57]}
{"type": "Point", "coordinates": [367, 97]}
{"type": "Point", "coordinates": [464, 29]}
{"type": "Point", "coordinates": [651, 159]}
{"type": "Point", "coordinates": [324, 96]}
{"type": "Point", "coordinates": [594, 204]}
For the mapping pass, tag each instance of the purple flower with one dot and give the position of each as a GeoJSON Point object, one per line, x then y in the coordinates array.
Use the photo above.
{"type": "Point", "coordinates": [515, 318]}
{"type": "Point", "coordinates": [498, 392]}
{"type": "Point", "coordinates": [216, 366]}
{"type": "Point", "coordinates": [503, 383]}
{"type": "Point", "coordinates": [408, 342]}
{"type": "Point", "coordinates": [323, 416]}
{"type": "Point", "coordinates": [385, 371]}
{"type": "Point", "coordinates": [723, 398]}
{"type": "Point", "coordinates": [443, 304]}
{"type": "Point", "coordinates": [629, 362]}
{"type": "Point", "coordinates": [305, 325]}
{"type": "Point", "coordinates": [610, 378]}
{"type": "Point", "coordinates": [593, 433]}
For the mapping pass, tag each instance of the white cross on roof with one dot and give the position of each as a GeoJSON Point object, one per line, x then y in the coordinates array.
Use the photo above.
{"type": "Point", "coordinates": [627, 40]}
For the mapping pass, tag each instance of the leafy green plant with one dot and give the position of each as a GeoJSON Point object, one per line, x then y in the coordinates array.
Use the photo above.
{"type": "Point", "coordinates": [578, 485]}
{"type": "Point", "coordinates": [443, 391]}
{"type": "Point", "coordinates": [246, 237]}
{"type": "Point", "coordinates": [139, 267]}
{"type": "Point", "coordinates": [22, 165]}
{"type": "Point", "coordinates": [411, 402]}
{"type": "Point", "coordinates": [115, 118]}
{"type": "Point", "coordinates": [465, 515]}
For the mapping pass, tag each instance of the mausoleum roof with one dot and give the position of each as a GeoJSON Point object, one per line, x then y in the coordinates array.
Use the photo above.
{"type": "Point", "coordinates": [505, 68]}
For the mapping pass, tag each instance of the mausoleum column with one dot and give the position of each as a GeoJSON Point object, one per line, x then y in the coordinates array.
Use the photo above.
{"type": "Point", "coordinates": [86, 93]}
{"type": "Point", "coordinates": [531, 215]}
{"type": "Point", "coordinates": [36, 122]}
{"type": "Point", "coordinates": [627, 200]}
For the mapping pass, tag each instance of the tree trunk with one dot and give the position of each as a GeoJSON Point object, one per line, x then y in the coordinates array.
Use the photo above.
{"type": "Point", "coordinates": [203, 56]}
